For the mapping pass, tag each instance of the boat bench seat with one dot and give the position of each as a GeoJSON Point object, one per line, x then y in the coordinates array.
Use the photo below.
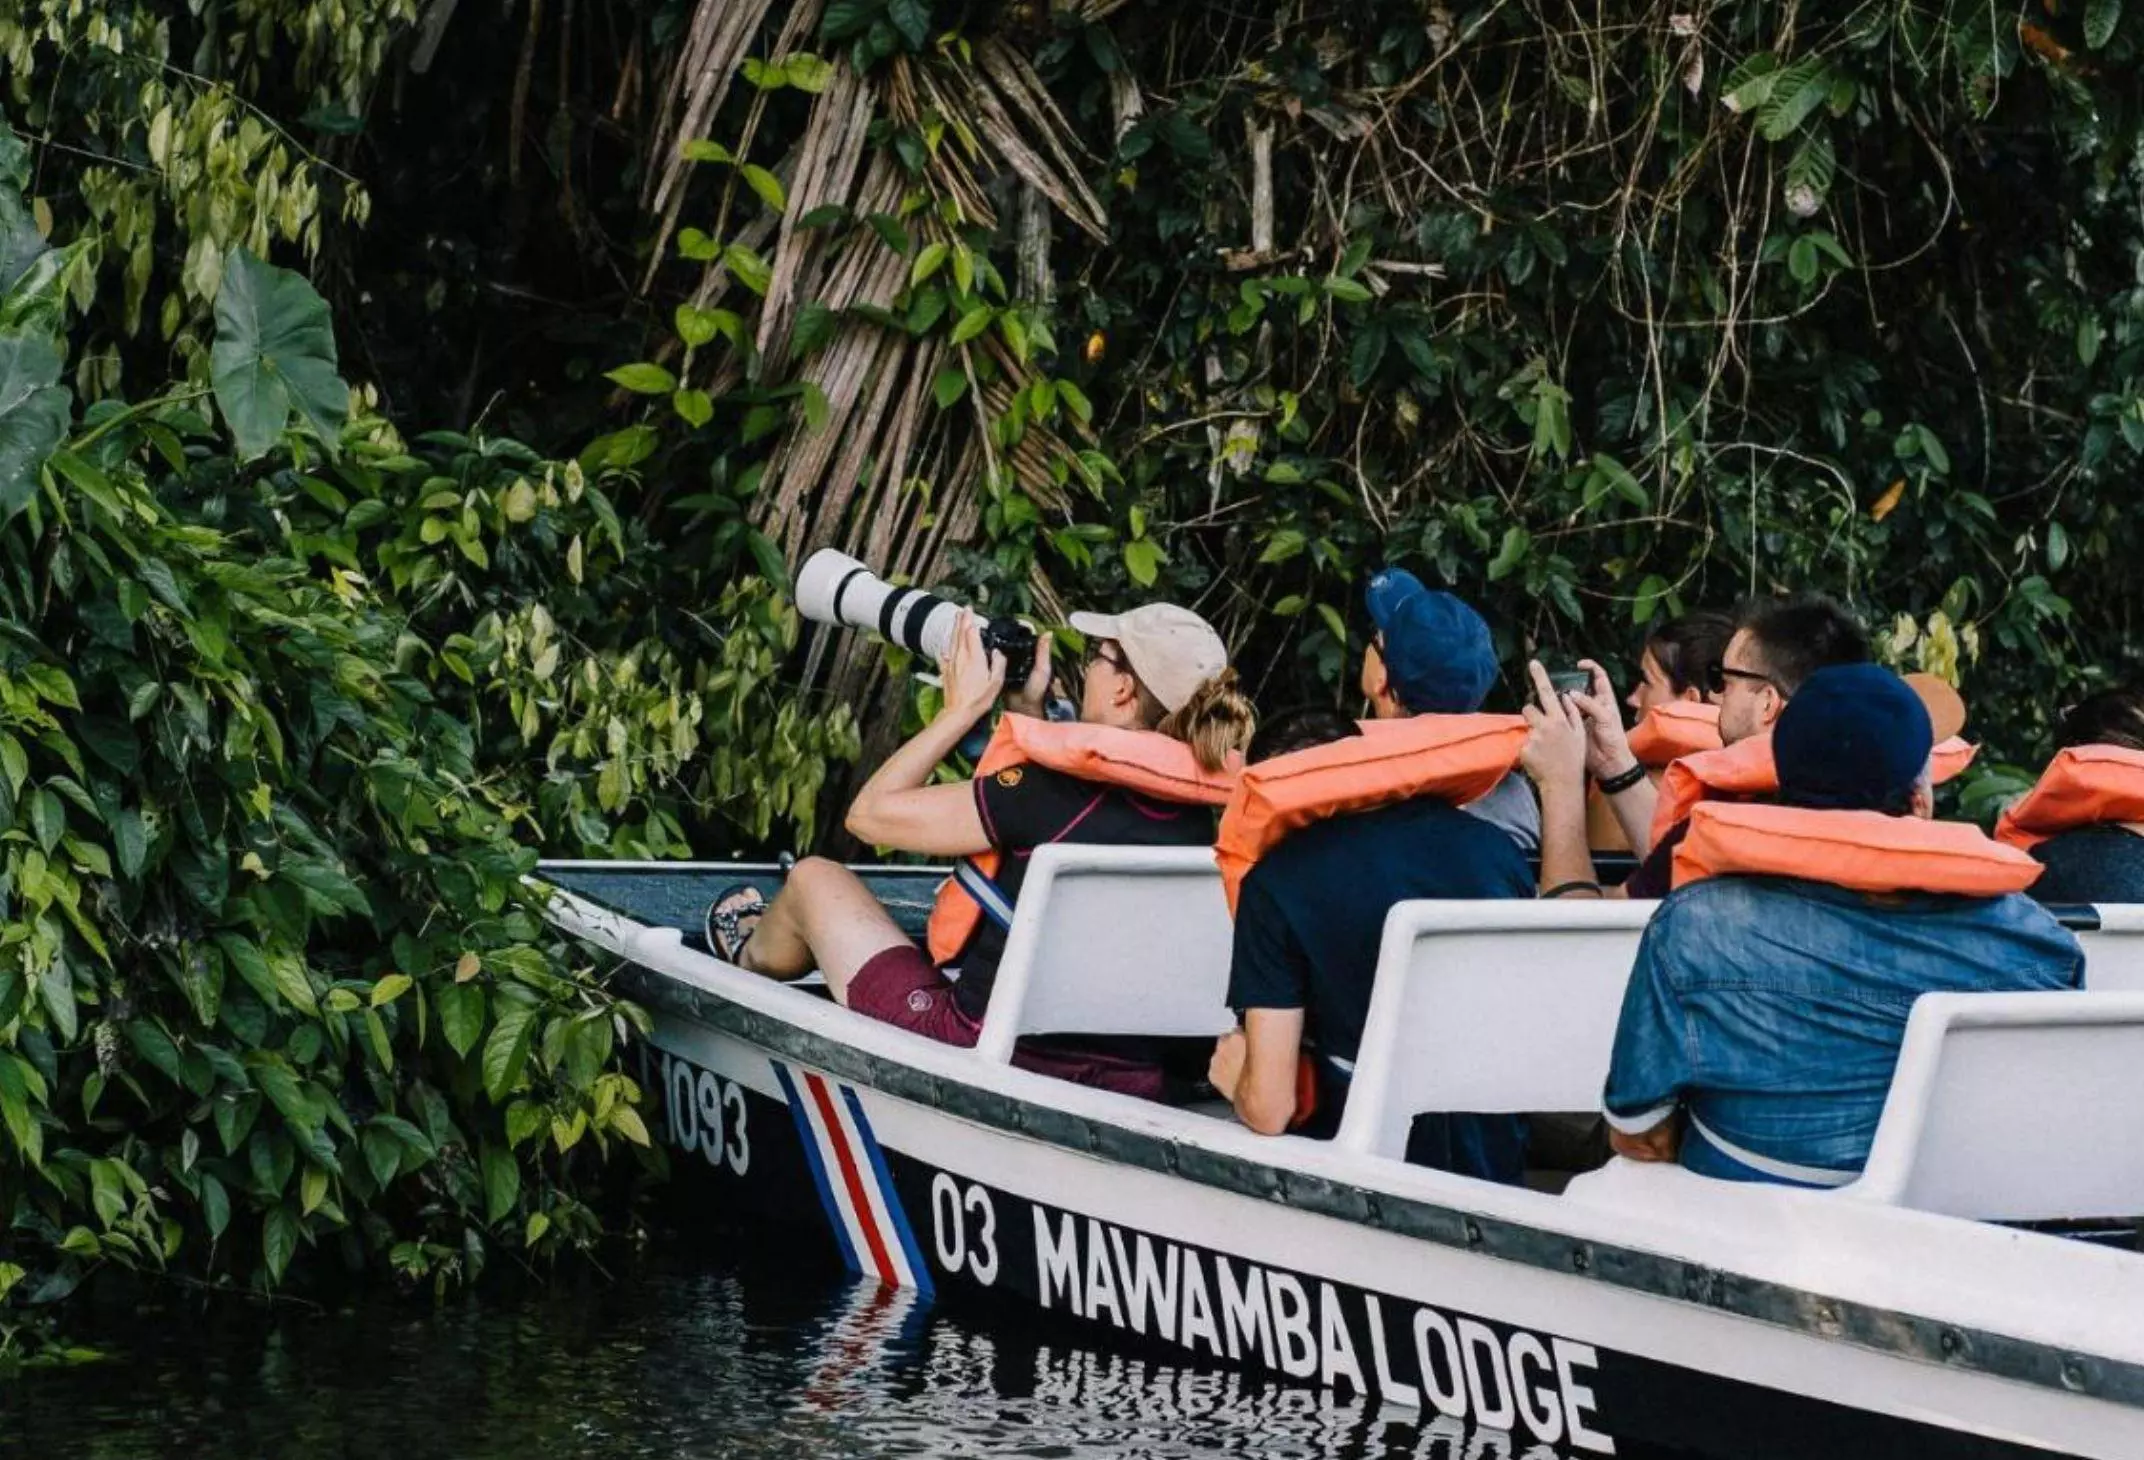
{"type": "Point", "coordinates": [1480, 1007]}
{"type": "Point", "coordinates": [1489, 1008]}
{"type": "Point", "coordinates": [1113, 940]}
{"type": "Point", "coordinates": [2015, 1108]}
{"type": "Point", "coordinates": [2114, 950]}
{"type": "Point", "coordinates": [1511, 1007]}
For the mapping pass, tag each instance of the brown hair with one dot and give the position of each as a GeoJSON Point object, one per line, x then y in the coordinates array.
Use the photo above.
{"type": "Point", "coordinates": [1689, 648]}
{"type": "Point", "coordinates": [1218, 719]}
{"type": "Point", "coordinates": [2111, 717]}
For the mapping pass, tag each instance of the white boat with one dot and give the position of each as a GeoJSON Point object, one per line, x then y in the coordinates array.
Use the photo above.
{"type": "Point", "coordinates": [1924, 1310]}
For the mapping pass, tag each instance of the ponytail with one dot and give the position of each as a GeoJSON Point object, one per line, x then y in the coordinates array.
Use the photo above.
{"type": "Point", "coordinates": [1216, 722]}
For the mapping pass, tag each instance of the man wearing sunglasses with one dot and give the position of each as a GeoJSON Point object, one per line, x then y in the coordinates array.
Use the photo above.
{"type": "Point", "coordinates": [1777, 645]}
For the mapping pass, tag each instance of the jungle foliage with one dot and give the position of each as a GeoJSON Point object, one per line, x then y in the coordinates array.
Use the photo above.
{"type": "Point", "coordinates": [1592, 316]}
{"type": "Point", "coordinates": [1592, 319]}
{"type": "Point", "coordinates": [270, 976]}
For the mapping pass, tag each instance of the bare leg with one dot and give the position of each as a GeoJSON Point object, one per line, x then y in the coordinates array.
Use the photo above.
{"type": "Point", "coordinates": [824, 918]}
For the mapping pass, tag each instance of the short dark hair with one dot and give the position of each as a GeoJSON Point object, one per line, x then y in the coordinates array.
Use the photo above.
{"type": "Point", "coordinates": [2111, 717]}
{"type": "Point", "coordinates": [1301, 729]}
{"type": "Point", "coordinates": [1688, 648]}
{"type": "Point", "coordinates": [1795, 637]}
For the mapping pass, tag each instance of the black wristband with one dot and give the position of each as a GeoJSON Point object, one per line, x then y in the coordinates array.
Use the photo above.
{"type": "Point", "coordinates": [1562, 888]}
{"type": "Point", "coordinates": [1622, 781]}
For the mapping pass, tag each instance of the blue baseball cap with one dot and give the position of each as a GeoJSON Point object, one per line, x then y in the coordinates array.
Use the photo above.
{"type": "Point", "coordinates": [1436, 648]}
{"type": "Point", "coordinates": [1855, 737]}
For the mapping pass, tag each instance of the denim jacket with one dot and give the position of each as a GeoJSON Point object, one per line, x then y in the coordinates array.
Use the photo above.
{"type": "Point", "coordinates": [1771, 1011]}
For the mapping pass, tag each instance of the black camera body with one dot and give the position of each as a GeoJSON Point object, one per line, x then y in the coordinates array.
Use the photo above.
{"type": "Point", "coordinates": [1016, 642]}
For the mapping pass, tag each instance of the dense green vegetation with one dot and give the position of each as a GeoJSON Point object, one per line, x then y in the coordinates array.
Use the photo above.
{"type": "Point", "coordinates": [272, 979]}
{"type": "Point", "coordinates": [1595, 319]}
{"type": "Point", "coordinates": [1592, 317]}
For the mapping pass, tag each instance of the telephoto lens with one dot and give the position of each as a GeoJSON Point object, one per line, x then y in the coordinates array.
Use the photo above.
{"type": "Point", "coordinates": [834, 588]}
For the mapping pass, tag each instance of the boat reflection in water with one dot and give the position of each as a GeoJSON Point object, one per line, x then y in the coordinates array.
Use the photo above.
{"type": "Point", "coordinates": [897, 1375]}
{"type": "Point", "coordinates": [717, 1347]}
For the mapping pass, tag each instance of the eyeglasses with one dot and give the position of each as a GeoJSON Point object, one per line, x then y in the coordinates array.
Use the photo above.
{"type": "Point", "coordinates": [1105, 652]}
{"type": "Point", "coordinates": [1717, 675]}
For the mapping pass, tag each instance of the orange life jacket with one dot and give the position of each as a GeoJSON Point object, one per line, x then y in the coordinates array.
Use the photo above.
{"type": "Point", "coordinates": [1668, 732]}
{"type": "Point", "coordinates": [1746, 769]}
{"type": "Point", "coordinates": [1663, 735]}
{"type": "Point", "coordinates": [1865, 851]}
{"type": "Point", "coordinates": [2085, 785]}
{"type": "Point", "coordinates": [1460, 758]}
{"type": "Point", "coordinates": [1141, 761]}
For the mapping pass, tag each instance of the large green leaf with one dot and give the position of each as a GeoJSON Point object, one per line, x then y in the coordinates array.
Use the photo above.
{"type": "Point", "coordinates": [274, 353]}
{"type": "Point", "coordinates": [506, 1053]}
{"type": "Point", "coordinates": [35, 299]}
{"type": "Point", "coordinates": [502, 1182]}
{"type": "Point", "coordinates": [14, 157]}
{"type": "Point", "coordinates": [21, 245]}
{"type": "Point", "coordinates": [2100, 19]}
{"type": "Point", "coordinates": [34, 410]}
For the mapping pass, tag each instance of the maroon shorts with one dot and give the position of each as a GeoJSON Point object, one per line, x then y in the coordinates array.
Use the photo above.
{"type": "Point", "coordinates": [902, 987]}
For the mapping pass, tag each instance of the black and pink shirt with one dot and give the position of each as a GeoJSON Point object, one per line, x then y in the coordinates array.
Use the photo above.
{"type": "Point", "coordinates": [1026, 807]}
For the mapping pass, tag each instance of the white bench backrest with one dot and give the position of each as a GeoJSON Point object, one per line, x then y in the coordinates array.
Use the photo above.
{"type": "Point", "coordinates": [1510, 1007]}
{"type": "Point", "coordinates": [2114, 951]}
{"type": "Point", "coordinates": [1489, 1007]}
{"type": "Point", "coordinates": [1481, 1007]}
{"type": "Point", "coordinates": [2015, 1107]}
{"type": "Point", "coordinates": [1113, 940]}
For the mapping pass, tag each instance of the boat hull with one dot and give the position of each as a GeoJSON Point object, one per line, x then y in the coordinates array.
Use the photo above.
{"type": "Point", "coordinates": [946, 1190]}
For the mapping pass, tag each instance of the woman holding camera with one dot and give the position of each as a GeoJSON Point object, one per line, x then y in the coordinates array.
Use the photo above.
{"type": "Point", "coordinates": [1157, 680]}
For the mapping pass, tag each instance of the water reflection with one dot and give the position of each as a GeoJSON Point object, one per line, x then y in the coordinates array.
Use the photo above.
{"type": "Point", "coordinates": [754, 1357]}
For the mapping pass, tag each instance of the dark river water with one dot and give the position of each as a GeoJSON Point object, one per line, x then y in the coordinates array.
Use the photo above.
{"type": "Point", "coordinates": [727, 1351]}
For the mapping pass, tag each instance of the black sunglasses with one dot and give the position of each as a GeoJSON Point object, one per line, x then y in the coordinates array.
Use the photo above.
{"type": "Point", "coordinates": [1717, 675]}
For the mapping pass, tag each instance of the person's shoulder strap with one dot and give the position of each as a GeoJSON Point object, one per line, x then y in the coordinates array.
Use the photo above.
{"type": "Point", "coordinates": [989, 898]}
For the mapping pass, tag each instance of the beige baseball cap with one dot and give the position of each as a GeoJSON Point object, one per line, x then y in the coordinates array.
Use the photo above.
{"type": "Point", "coordinates": [1171, 649]}
{"type": "Point", "coordinates": [1945, 706]}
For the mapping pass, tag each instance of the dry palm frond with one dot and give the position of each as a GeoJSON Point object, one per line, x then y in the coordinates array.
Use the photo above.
{"type": "Point", "coordinates": [887, 474]}
{"type": "Point", "coordinates": [825, 172]}
{"type": "Point", "coordinates": [721, 35]}
{"type": "Point", "coordinates": [715, 44]}
{"type": "Point", "coordinates": [1022, 90]}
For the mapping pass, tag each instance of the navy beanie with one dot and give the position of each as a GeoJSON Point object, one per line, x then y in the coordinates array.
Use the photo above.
{"type": "Point", "coordinates": [1854, 737]}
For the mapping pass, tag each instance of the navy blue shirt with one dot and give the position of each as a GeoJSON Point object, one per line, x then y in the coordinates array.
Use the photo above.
{"type": "Point", "coordinates": [1308, 924]}
{"type": "Point", "coordinates": [2091, 864]}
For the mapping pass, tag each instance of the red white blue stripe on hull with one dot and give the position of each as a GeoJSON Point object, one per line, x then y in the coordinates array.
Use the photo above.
{"type": "Point", "coordinates": [855, 1189]}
